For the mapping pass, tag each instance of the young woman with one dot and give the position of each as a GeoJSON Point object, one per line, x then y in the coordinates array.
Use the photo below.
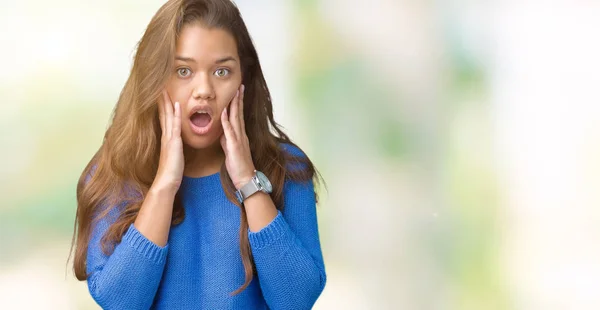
{"type": "Point", "coordinates": [196, 199]}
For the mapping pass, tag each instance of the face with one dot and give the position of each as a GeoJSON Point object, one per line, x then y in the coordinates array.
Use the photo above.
{"type": "Point", "coordinates": [205, 78]}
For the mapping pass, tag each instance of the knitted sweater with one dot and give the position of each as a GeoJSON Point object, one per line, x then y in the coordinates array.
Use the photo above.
{"type": "Point", "coordinates": [201, 264]}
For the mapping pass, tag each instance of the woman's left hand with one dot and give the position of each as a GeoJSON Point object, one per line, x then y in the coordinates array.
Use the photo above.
{"type": "Point", "coordinates": [238, 158]}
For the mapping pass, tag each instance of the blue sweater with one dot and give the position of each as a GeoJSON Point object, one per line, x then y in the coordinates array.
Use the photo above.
{"type": "Point", "coordinates": [201, 265]}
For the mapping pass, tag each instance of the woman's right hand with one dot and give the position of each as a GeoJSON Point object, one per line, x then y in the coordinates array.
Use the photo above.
{"type": "Point", "coordinates": [171, 162]}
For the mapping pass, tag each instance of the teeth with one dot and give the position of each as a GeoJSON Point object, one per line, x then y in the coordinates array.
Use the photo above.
{"type": "Point", "coordinates": [200, 112]}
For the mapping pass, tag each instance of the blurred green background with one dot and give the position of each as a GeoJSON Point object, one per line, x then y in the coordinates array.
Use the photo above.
{"type": "Point", "coordinates": [459, 141]}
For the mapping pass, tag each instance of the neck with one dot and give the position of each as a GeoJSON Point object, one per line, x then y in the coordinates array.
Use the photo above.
{"type": "Point", "coordinates": [200, 163]}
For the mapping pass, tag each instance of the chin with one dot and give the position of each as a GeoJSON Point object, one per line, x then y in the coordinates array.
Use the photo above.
{"type": "Point", "coordinates": [198, 142]}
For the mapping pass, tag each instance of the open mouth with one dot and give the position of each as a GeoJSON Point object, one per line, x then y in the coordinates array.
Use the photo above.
{"type": "Point", "coordinates": [201, 122]}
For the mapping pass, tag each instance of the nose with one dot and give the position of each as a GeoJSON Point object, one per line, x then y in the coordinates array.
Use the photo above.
{"type": "Point", "coordinates": [203, 90]}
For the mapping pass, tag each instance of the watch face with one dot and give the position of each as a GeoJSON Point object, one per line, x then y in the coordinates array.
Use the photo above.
{"type": "Point", "coordinates": [264, 181]}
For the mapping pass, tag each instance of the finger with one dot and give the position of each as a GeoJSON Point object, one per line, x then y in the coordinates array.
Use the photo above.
{"type": "Point", "coordinates": [234, 118]}
{"type": "Point", "coordinates": [168, 116]}
{"type": "Point", "coordinates": [227, 129]}
{"type": "Point", "coordinates": [161, 112]}
{"type": "Point", "coordinates": [242, 118]}
{"type": "Point", "coordinates": [177, 120]}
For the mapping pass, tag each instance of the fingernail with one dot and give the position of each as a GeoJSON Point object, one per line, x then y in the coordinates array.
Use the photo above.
{"type": "Point", "coordinates": [243, 88]}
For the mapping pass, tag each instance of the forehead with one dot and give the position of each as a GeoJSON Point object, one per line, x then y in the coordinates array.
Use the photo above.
{"type": "Point", "coordinates": [205, 44]}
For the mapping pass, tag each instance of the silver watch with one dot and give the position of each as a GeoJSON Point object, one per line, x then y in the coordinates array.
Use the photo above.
{"type": "Point", "coordinates": [259, 182]}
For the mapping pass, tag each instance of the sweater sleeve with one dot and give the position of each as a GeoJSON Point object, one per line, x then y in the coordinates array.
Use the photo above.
{"type": "Point", "coordinates": [129, 277]}
{"type": "Point", "coordinates": [287, 252]}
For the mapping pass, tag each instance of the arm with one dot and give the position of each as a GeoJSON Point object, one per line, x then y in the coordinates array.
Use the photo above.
{"type": "Point", "coordinates": [287, 251]}
{"type": "Point", "coordinates": [129, 277]}
{"type": "Point", "coordinates": [285, 247]}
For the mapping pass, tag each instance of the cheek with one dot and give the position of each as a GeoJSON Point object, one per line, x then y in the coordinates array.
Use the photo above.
{"type": "Point", "coordinates": [228, 93]}
{"type": "Point", "coordinates": [177, 92]}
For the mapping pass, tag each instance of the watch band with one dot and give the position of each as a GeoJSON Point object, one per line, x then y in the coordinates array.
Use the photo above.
{"type": "Point", "coordinates": [248, 190]}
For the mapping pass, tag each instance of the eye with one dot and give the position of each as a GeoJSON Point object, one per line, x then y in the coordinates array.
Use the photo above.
{"type": "Point", "coordinates": [222, 72]}
{"type": "Point", "coordinates": [184, 72]}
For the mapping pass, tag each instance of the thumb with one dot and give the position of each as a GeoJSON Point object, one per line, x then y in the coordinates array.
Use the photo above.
{"type": "Point", "coordinates": [223, 141]}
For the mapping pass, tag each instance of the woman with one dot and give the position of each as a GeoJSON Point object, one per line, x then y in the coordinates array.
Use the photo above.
{"type": "Point", "coordinates": [196, 199]}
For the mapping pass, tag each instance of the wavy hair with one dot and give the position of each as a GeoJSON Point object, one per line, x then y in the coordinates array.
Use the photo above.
{"type": "Point", "coordinates": [119, 175]}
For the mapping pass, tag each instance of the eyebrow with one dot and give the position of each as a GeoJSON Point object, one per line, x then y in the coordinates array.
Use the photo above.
{"type": "Point", "coordinates": [219, 61]}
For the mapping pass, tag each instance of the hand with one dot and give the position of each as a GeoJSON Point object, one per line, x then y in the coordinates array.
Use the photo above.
{"type": "Point", "coordinates": [171, 163]}
{"type": "Point", "coordinates": [238, 158]}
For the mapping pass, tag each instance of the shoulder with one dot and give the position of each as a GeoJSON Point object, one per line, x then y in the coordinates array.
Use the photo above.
{"type": "Point", "coordinates": [89, 173]}
{"type": "Point", "coordinates": [298, 186]}
{"type": "Point", "coordinates": [291, 149]}
{"type": "Point", "coordinates": [115, 200]}
{"type": "Point", "coordinates": [295, 159]}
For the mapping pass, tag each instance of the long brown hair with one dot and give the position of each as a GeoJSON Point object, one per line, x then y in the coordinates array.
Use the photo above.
{"type": "Point", "coordinates": [126, 163]}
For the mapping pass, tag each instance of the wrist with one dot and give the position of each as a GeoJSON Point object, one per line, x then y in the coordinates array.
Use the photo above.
{"type": "Point", "coordinates": [257, 183]}
{"type": "Point", "coordinates": [161, 189]}
{"type": "Point", "coordinates": [243, 181]}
